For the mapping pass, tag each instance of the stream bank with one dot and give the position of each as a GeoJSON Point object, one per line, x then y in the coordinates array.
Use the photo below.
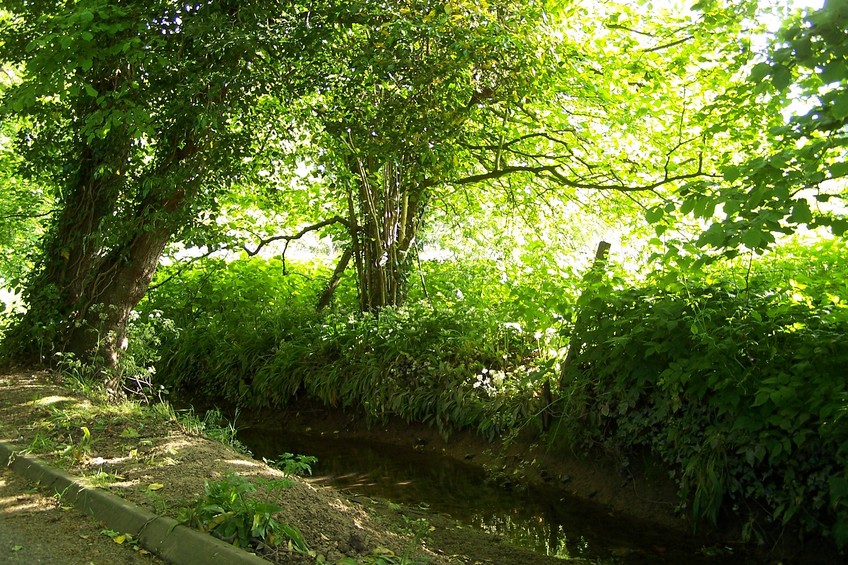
{"type": "Point", "coordinates": [157, 461]}
{"type": "Point", "coordinates": [523, 493]}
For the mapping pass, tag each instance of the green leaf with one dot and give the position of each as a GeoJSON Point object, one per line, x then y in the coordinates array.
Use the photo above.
{"type": "Point", "coordinates": [840, 530]}
{"type": "Point", "coordinates": [752, 238]}
{"type": "Point", "coordinates": [90, 91]}
{"type": "Point", "coordinates": [834, 71]}
{"type": "Point", "coordinates": [654, 215]}
{"type": "Point", "coordinates": [839, 106]}
{"type": "Point", "coordinates": [714, 236]}
{"type": "Point", "coordinates": [781, 77]}
{"type": "Point", "coordinates": [731, 173]}
{"type": "Point", "coordinates": [759, 72]}
{"type": "Point", "coordinates": [838, 169]}
{"type": "Point", "coordinates": [838, 488]}
{"type": "Point", "coordinates": [801, 213]}
{"type": "Point", "coordinates": [839, 226]}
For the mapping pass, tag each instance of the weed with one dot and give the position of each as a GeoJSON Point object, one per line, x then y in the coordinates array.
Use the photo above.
{"type": "Point", "coordinates": [292, 464]}
{"type": "Point", "coordinates": [42, 443]}
{"type": "Point", "coordinates": [229, 514]}
{"type": "Point", "coordinates": [75, 452]}
{"type": "Point", "coordinates": [120, 538]}
{"type": "Point", "coordinates": [102, 479]}
{"type": "Point", "coordinates": [212, 425]}
{"type": "Point", "coordinates": [156, 501]}
{"type": "Point", "coordinates": [59, 497]}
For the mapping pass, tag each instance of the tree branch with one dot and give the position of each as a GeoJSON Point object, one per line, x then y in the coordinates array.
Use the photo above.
{"type": "Point", "coordinates": [298, 235]}
{"type": "Point", "coordinates": [670, 44]}
{"type": "Point", "coordinates": [554, 172]}
{"type": "Point", "coordinates": [191, 262]}
{"type": "Point", "coordinates": [28, 216]}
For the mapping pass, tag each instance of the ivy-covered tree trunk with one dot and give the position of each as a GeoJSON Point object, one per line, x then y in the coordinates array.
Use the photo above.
{"type": "Point", "coordinates": [384, 221]}
{"type": "Point", "coordinates": [96, 265]}
{"type": "Point", "coordinates": [138, 115]}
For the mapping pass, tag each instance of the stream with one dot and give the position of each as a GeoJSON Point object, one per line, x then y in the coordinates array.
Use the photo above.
{"type": "Point", "coordinates": [547, 521]}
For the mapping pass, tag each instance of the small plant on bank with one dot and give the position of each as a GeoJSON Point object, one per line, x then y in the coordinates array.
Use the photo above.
{"type": "Point", "coordinates": [102, 479]}
{"type": "Point", "coordinates": [212, 425]}
{"type": "Point", "coordinates": [229, 514]}
{"type": "Point", "coordinates": [42, 443]}
{"type": "Point", "coordinates": [292, 464]}
{"type": "Point", "coordinates": [76, 452]}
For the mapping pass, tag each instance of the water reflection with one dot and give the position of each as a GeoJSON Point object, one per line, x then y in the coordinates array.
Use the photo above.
{"type": "Point", "coordinates": [548, 522]}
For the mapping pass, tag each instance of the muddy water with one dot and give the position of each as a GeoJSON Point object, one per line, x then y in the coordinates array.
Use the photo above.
{"type": "Point", "coordinates": [546, 521]}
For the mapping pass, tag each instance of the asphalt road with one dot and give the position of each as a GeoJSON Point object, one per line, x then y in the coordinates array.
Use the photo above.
{"type": "Point", "coordinates": [35, 529]}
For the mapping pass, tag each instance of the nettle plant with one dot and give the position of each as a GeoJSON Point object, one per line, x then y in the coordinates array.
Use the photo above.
{"type": "Point", "coordinates": [228, 513]}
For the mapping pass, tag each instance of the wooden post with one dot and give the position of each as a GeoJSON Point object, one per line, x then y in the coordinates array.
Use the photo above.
{"type": "Point", "coordinates": [575, 345]}
{"type": "Point", "coordinates": [592, 275]}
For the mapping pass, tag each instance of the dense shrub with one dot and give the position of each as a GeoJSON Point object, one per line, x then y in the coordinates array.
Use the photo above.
{"type": "Point", "coordinates": [248, 334]}
{"type": "Point", "coordinates": [741, 391]}
{"type": "Point", "coordinates": [734, 379]}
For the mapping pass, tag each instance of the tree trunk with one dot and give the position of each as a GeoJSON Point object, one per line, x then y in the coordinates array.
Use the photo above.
{"type": "Point", "coordinates": [82, 306]}
{"type": "Point", "coordinates": [327, 295]}
{"type": "Point", "coordinates": [389, 211]}
{"type": "Point", "coordinates": [97, 263]}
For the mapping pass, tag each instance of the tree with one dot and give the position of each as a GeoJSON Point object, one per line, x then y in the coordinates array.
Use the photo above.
{"type": "Point", "coordinates": [546, 101]}
{"type": "Point", "coordinates": [138, 114]}
{"type": "Point", "coordinates": [784, 167]}
{"type": "Point", "coordinates": [406, 78]}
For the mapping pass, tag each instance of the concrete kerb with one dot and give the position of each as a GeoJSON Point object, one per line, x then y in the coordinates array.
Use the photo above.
{"type": "Point", "coordinates": [162, 536]}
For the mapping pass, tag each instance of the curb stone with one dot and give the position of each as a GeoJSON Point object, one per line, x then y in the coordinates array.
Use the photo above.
{"type": "Point", "coordinates": [164, 537]}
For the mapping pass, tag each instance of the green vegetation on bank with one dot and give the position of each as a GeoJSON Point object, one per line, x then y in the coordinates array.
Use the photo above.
{"type": "Point", "coordinates": [154, 155]}
{"type": "Point", "coordinates": [733, 379]}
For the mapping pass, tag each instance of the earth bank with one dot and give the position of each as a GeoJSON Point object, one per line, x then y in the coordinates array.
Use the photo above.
{"type": "Point", "coordinates": [152, 459]}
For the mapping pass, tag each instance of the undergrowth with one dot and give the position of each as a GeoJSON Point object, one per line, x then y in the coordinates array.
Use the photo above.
{"type": "Point", "coordinates": [740, 389]}
{"type": "Point", "coordinates": [453, 369]}
{"type": "Point", "coordinates": [732, 377]}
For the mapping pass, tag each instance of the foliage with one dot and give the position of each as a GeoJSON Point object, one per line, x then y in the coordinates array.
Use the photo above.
{"type": "Point", "coordinates": [784, 163]}
{"type": "Point", "coordinates": [136, 118]}
{"type": "Point", "coordinates": [229, 514]}
{"type": "Point", "coordinates": [474, 128]}
{"type": "Point", "coordinates": [212, 425]}
{"type": "Point", "coordinates": [292, 464]}
{"type": "Point", "coordinates": [467, 366]}
{"type": "Point", "coordinates": [736, 381]}
{"type": "Point", "coordinates": [731, 376]}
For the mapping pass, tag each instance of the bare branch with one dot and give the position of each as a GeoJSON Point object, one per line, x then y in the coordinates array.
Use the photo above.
{"type": "Point", "coordinates": [190, 262]}
{"type": "Point", "coordinates": [669, 44]}
{"type": "Point", "coordinates": [630, 29]}
{"type": "Point", "coordinates": [298, 235]}
{"type": "Point", "coordinates": [554, 172]}
{"type": "Point", "coordinates": [28, 216]}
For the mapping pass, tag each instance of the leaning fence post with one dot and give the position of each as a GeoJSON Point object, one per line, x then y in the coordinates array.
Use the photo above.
{"type": "Point", "coordinates": [594, 274]}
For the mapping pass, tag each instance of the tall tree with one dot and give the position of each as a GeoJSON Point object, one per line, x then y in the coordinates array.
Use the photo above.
{"type": "Point", "coordinates": [543, 100]}
{"type": "Point", "coordinates": [138, 114]}
{"type": "Point", "coordinates": [406, 78]}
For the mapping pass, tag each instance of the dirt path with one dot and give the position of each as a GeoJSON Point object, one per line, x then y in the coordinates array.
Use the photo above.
{"type": "Point", "coordinates": [154, 460]}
